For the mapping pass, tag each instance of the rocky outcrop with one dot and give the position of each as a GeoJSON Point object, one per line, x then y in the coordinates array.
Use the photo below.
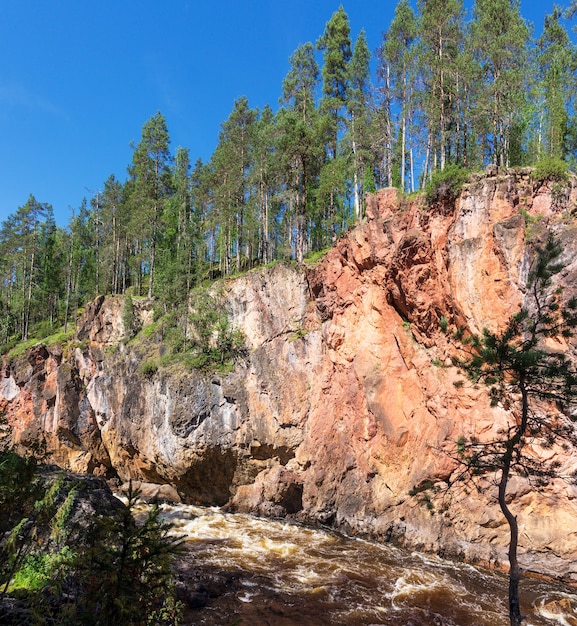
{"type": "Point", "coordinates": [345, 400]}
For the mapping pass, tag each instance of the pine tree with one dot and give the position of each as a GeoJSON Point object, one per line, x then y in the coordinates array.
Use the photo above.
{"type": "Point", "coordinates": [335, 43]}
{"type": "Point", "coordinates": [336, 46]}
{"type": "Point", "coordinates": [200, 224]}
{"type": "Point", "coordinates": [359, 105]}
{"type": "Point", "coordinates": [23, 242]}
{"type": "Point", "coordinates": [265, 180]}
{"type": "Point", "coordinates": [556, 60]}
{"type": "Point", "coordinates": [301, 82]}
{"type": "Point", "coordinates": [114, 219]}
{"type": "Point", "coordinates": [399, 54]}
{"type": "Point", "coordinates": [300, 141]}
{"type": "Point", "coordinates": [231, 165]}
{"type": "Point", "coordinates": [499, 39]}
{"type": "Point", "coordinates": [50, 283]}
{"type": "Point", "coordinates": [536, 385]}
{"type": "Point", "coordinates": [441, 37]}
{"type": "Point", "coordinates": [150, 172]}
{"type": "Point", "coordinates": [176, 240]}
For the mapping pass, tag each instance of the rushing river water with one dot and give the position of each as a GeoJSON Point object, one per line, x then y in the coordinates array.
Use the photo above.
{"type": "Point", "coordinates": [279, 573]}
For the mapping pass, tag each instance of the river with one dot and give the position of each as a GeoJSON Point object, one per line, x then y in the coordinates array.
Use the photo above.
{"type": "Point", "coordinates": [265, 572]}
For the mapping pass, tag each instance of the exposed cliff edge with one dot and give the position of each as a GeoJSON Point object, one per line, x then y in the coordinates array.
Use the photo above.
{"type": "Point", "coordinates": [345, 398]}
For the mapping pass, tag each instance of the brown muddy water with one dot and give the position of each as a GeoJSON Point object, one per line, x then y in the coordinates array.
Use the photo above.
{"type": "Point", "coordinates": [256, 572]}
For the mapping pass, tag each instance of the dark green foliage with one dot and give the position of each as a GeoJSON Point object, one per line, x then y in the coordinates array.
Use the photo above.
{"type": "Point", "coordinates": [500, 38]}
{"type": "Point", "coordinates": [551, 169]}
{"type": "Point", "coordinates": [125, 572]}
{"type": "Point", "coordinates": [215, 343]}
{"type": "Point", "coordinates": [33, 555]}
{"type": "Point", "coordinates": [151, 188]}
{"type": "Point", "coordinates": [17, 487]}
{"type": "Point", "coordinates": [446, 185]}
{"type": "Point", "coordinates": [335, 43]}
{"type": "Point", "coordinates": [67, 567]}
{"type": "Point", "coordinates": [444, 324]}
{"type": "Point", "coordinates": [148, 369]}
{"type": "Point", "coordinates": [128, 318]}
{"type": "Point", "coordinates": [556, 65]}
{"type": "Point", "coordinates": [398, 54]}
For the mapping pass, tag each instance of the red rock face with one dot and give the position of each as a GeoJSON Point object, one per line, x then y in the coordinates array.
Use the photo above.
{"type": "Point", "coordinates": [346, 402]}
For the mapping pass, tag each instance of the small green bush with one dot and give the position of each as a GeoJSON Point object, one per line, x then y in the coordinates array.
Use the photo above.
{"type": "Point", "coordinates": [150, 330]}
{"type": "Point", "coordinates": [38, 570]}
{"type": "Point", "coordinates": [149, 368]}
{"type": "Point", "coordinates": [314, 257]}
{"type": "Point", "coordinates": [444, 324]}
{"type": "Point", "coordinates": [120, 572]}
{"type": "Point", "coordinates": [43, 329]}
{"type": "Point", "coordinates": [551, 169]}
{"type": "Point", "coordinates": [129, 318]}
{"type": "Point", "coordinates": [445, 185]}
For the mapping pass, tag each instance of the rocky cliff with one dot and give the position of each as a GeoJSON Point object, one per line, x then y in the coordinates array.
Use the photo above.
{"type": "Point", "coordinates": [345, 400]}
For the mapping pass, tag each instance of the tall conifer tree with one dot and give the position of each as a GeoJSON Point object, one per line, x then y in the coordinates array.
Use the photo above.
{"type": "Point", "coordinates": [499, 37]}
{"type": "Point", "coordinates": [441, 28]}
{"type": "Point", "coordinates": [359, 105]}
{"type": "Point", "coordinates": [398, 52]}
{"type": "Point", "coordinates": [300, 140]}
{"type": "Point", "coordinates": [151, 173]}
{"type": "Point", "coordinates": [556, 60]}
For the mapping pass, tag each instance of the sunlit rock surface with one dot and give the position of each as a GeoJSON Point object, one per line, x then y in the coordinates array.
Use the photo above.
{"type": "Point", "coordinates": [345, 401]}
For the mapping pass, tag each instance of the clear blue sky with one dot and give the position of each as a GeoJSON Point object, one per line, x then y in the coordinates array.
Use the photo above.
{"type": "Point", "coordinates": [78, 79]}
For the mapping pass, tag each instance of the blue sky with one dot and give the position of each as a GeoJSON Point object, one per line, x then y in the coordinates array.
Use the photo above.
{"type": "Point", "coordinates": [78, 79]}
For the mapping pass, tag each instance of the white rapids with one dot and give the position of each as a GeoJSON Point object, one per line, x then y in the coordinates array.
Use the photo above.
{"type": "Point", "coordinates": [285, 573]}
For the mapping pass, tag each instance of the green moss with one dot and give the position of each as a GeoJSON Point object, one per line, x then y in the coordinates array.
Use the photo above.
{"type": "Point", "coordinates": [39, 570]}
{"type": "Point", "coordinates": [299, 333]}
{"type": "Point", "coordinates": [149, 331]}
{"type": "Point", "coordinates": [20, 348]}
{"type": "Point", "coordinates": [444, 324]}
{"type": "Point", "coordinates": [531, 224]}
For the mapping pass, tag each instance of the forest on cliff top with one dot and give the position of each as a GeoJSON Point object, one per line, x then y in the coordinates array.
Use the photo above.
{"type": "Point", "coordinates": [445, 94]}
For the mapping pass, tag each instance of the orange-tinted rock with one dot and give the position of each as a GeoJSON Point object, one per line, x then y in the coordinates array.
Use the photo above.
{"type": "Point", "coordinates": [346, 403]}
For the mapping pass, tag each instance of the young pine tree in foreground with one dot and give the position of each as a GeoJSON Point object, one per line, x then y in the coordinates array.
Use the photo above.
{"type": "Point", "coordinates": [536, 384]}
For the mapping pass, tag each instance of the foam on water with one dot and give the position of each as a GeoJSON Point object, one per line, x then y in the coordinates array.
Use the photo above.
{"type": "Point", "coordinates": [335, 579]}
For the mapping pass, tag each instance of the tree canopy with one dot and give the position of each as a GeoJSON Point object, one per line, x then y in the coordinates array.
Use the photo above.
{"type": "Point", "coordinates": [445, 90]}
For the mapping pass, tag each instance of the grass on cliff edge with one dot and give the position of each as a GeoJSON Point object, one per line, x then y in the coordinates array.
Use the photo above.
{"type": "Point", "coordinates": [18, 348]}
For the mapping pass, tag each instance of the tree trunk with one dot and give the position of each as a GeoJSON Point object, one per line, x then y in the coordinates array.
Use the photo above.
{"type": "Point", "coordinates": [442, 121]}
{"type": "Point", "coordinates": [514, 571]}
{"type": "Point", "coordinates": [389, 131]}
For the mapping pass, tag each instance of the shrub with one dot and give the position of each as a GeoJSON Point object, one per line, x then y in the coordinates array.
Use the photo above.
{"type": "Point", "coordinates": [312, 258]}
{"type": "Point", "coordinates": [215, 342]}
{"type": "Point", "coordinates": [127, 570]}
{"type": "Point", "coordinates": [149, 368]}
{"type": "Point", "coordinates": [108, 569]}
{"type": "Point", "coordinates": [38, 570]}
{"type": "Point", "coordinates": [551, 169]}
{"type": "Point", "coordinates": [43, 329]}
{"type": "Point", "coordinates": [444, 324]}
{"type": "Point", "coordinates": [128, 318]}
{"type": "Point", "coordinates": [445, 185]}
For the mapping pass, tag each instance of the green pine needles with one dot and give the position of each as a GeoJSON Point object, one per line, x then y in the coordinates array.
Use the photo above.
{"type": "Point", "coordinates": [62, 561]}
{"type": "Point", "coordinates": [535, 383]}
